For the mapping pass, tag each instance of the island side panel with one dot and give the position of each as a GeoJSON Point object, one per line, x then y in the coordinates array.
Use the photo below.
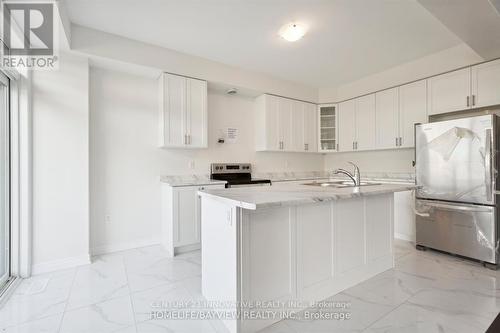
{"type": "Point", "coordinates": [268, 260]}
{"type": "Point", "coordinates": [219, 255]}
{"type": "Point", "coordinates": [314, 251]}
{"type": "Point", "coordinates": [316, 259]}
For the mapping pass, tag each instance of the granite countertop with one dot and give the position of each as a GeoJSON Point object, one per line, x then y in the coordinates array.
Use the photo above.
{"type": "Point", "coordinates": [279, 177]}
{"type": "Point", "coordinates": [191, 180]}
{"type": "Point", "coordinates": [293, 194]}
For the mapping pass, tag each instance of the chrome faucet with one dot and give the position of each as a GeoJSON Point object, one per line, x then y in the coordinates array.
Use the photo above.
{"type": "Point", "coordinates": [355, 177]}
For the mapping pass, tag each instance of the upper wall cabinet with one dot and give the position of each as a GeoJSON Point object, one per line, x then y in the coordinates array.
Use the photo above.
{"type": "Point", "coordinates": [347, 125]}
{"type": "Point", "coordinates": [304, 138]}
{"type": "Point", "coordinates": [183, 112]}
{"type": "Point", "coordinates": [412, 110]}
{"type": "Point", "coordinates": [486, 84]}
{"type": "Point", "coordinates": [284, 124]}
{"type": "Point", "coordinates": [327, 128]}
{"type": "Point", "coordinates": [398, 110]}
{"type": "Point", "coordinates": [357, 124]}
{"type": "Point", "coordinates": [449, 92]}
{"type": "Point", "coordinates": [387, 116]}
{"type": "Point", "coordinates": [365, 122]}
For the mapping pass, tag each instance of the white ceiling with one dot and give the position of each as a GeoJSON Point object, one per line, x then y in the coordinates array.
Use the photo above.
{"type": "Point", "coordinates": [347, 39]}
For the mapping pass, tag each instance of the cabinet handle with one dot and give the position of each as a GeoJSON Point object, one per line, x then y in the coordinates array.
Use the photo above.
{"type": "Point", "coordinates": [185, 139]}
{"type": "Point", "coordinates": [400, 141]}
{"type": "Point", "coordinates": [468, 101]}
{"type": "Point", "coordinates": [356, 145]}
{"type": "Point", "coordinates": [473, 100]}
{"type": "Point", "coordinates": [337, 147]}
{"type": "Point", "coordinates": [189, 138]}
{"type": "Point", "coordinates": [397, 142]}
{"type": "Point", "coordinates": [353, 145]}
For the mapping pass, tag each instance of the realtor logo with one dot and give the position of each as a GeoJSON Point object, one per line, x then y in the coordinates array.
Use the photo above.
{"type": "Point", "coordinates": [35, 22]}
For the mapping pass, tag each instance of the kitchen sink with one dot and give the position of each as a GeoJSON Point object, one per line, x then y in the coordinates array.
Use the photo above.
{"type": "Point", "coordinates": [339, 184]}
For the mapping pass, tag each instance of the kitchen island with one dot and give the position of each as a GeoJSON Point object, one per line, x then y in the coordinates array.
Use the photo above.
{"type": "Point", "coordinates": [268, 252]}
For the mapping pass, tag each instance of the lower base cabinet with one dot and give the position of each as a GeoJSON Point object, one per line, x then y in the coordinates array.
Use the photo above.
{"type": "Point", "coordinates": [180, 221]}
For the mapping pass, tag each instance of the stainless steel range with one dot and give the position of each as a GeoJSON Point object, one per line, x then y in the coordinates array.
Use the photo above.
{"type": "Point", "coordinates": [236, 174]}
{"type": "Point", "coordinates": [457, 202]}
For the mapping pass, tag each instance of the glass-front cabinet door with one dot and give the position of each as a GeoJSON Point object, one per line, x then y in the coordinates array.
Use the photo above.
{"type": "Point", "coordinates": [327, 127]}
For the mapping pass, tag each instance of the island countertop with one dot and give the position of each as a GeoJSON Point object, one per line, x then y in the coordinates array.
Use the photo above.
{"type": "Point", "coordinates": [294, 194]}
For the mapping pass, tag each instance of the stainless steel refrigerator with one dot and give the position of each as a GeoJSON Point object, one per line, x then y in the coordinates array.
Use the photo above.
{"type": "Point", "coordinates": [456, 171]}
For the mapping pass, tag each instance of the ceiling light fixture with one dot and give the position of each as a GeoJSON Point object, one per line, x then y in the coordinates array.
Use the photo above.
{"type": "Point", "coordinates": [292, 32]}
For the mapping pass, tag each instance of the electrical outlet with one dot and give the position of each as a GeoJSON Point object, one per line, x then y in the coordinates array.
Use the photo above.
{"type": "Point", "coordinates": [191, 165]}
{"type": "Point", "coordinates": [107, 219]}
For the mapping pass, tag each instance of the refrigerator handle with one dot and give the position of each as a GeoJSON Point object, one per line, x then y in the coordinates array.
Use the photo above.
{"type": "Point", "coordinates": [487, 165]}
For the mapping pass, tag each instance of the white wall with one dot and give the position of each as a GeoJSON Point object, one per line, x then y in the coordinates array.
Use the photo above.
{"type": "Point", "coordinates": [373, 161]}
{"type": "Point", "coordinates": [60, 165]}
{"type": "Point", "coordinates": [105, 45]}
{"type": "Point", "coordinates": [126, 164]}
{"type": "Point", "coordinates": [449, 59]}
{"type": "Point", "coordinates": [393, 160]}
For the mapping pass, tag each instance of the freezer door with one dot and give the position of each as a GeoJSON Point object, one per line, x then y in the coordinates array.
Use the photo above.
{"type": "Point", "coordinates": [467, 230]}
{"type": "Point", "coordinates": [454, 160]}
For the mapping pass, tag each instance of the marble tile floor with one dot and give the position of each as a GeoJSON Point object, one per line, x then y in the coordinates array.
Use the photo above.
{"type": "Point", "coordinates": [426, 292]}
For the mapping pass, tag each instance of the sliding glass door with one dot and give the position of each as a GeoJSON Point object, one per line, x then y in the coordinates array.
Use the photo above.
{"type": "Point", "coordinates": [4, 181]}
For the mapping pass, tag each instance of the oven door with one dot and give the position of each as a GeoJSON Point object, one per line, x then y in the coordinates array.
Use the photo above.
{"type": "Point", "coordinates": [463, 229]}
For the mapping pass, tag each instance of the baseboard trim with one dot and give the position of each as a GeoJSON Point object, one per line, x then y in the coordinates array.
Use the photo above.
{"type": "Point", "coordinates": [110, 248]}
{"type": "Point", "coordinates": [60, 264]}
{"type": "Point", "coordinates": [404, 237]}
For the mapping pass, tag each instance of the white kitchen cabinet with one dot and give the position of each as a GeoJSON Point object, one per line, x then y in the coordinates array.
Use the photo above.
{"type": "Point", "coordinates": [298, 126]}
{"type": "Point", "coordinates": [449, 92]}
{"type": "Point", "coordinates": [486, 84]}
{"type": "Point", "coordinates": [267, 123]}
{"type": "Point", "coordinates": [412, 110]}
{"type": "Point", "coordinates": [387, 115]}
{"type": "Point", "coordinates": [328, 117]}
{"type": "Point", "coordinates": [310, 122]}
{"type": "Point", "coordinates": [347, 125]}
{"type": "Point", "coordinates": [183, 112]}
{"type": "Point", "coordinates": [357, 124]}
{"type": "Point", "coordinates": [303, 127]}
{"type": "Point", "coordinates": [365, 122]}
{"type": "Point", "coordinates": [284, 124]}
{"type": "Point", "coordinates": [181, 217]}
{"type": "Point", "coordinates": [285, 120]}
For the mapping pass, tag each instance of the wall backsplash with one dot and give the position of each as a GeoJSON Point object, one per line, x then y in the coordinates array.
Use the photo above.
{"type": "Point", "coordinates": [397, 161]}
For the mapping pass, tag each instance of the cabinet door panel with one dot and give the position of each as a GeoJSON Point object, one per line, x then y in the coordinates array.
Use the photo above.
{"type": "Point", "coordinates": [347, 125]}
{"type": "Point", "coordinates": [412, 110]}
{"type": "Point", "coordinates": [270, 261]}
{"type": "Point", "coordinates": [448, 92]}
{"type": "Point", "coordinates": [350, 234]}
{"type": "Point", "coordinates": [379, 229]}
{"type": "Point", "coordinates": [298, 125]}
{"type": "Point", "coordinates": [285, 123]}
{"type": "Point", "coordinates": [174, 102]}
{"type": "Point", "coordinates": [365, 122]}
{"type": "Point", "coordinates": [315, 246]}
{"type": "Point", "coordinates": [186, 230]}
{"type": "Point", "coordinates": [486, 84]}
{"type": "Point", "coordinates": [197, 112]}
{"type": "Point", "coordinates": [272, 125]}
{"type": "Point", "coordinates": [310, 127]}
{"type": "Point", "coordinates": [387, 115]}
